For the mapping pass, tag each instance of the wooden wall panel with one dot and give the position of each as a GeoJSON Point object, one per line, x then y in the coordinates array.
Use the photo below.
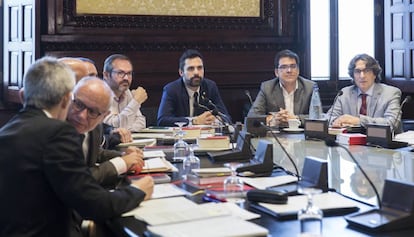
{"type": "Point", "coordinates": [238, 51]}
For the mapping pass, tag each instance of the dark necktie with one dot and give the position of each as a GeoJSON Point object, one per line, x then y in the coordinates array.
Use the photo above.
{"type": "Point", "coordinates": [195, 104]}
{"type": "Point", "coordinates": [363, 109]}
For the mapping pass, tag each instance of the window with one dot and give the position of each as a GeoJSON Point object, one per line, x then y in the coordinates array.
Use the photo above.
{"type": "Point", "coordinates": [353, 20]}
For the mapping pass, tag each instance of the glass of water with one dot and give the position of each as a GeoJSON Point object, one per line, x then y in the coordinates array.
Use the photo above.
{"type": "Point", "coordinates": [310, 217]}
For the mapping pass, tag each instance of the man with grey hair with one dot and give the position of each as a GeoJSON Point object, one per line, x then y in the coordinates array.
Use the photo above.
{"type": "Point", "coordinates": [42, 173]}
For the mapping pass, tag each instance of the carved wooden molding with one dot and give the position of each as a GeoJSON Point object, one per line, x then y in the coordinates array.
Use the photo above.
{"type": "Point", "coordinates": [265, 22]}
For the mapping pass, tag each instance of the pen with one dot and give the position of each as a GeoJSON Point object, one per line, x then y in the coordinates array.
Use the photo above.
{"type": "Point", "coordinates": [208, 199]}
{"type": "Point", "coordinates": [212, 196]}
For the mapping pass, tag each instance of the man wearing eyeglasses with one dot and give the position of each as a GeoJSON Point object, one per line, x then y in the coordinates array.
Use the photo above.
{"type": "Point", "coordinates": [126, 104]}
{"type": "Point", "coordinates": [288, 94]}
{"type": "Point", "coordinates": [90, 103]}
{"type": "Point", "coordinates": [368, 100]}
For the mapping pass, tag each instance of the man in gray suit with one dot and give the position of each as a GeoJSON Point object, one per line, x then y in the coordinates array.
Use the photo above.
{"type": "Point", "coordinates": [288, 94]}
{"type": "Point", "coordinates": [382, 102]}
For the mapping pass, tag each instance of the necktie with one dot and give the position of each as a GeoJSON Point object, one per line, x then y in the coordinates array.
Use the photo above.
{"type": "Point", "coordinates": [363, 109]}
{"type": "Point", "coordinates": [195, 104]}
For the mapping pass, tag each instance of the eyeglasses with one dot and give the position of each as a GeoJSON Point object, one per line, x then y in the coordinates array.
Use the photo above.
{"type": "Point", "coordinates": [79, 106]}
{"type": "Point", "coordinates": [121, 74]}
{"type": "Point", "coordinates": [285, 67]}
{"type": "Point", "coordinates": [365, 70]}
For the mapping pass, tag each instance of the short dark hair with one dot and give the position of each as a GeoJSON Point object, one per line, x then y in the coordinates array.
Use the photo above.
{"type": "Point", "coordinates": [189, 53]}
{"type": "Point", "coordinates": [286, 54]}
{"type": "Point", "coordinates": [370, 62]}
{"type": "Point", "coordinates": [108, 61]}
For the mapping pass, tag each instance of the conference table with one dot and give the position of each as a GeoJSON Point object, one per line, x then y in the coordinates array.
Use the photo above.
{"type": "Point", "coordinates": [343, 176]}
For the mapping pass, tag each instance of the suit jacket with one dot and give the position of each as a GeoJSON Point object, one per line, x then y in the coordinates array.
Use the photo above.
{"type": "Point", "coordinates": [270, 98]}
{"type": "Point", "coordinates": [44, 179]}
{"type": "Point", "coordinates": [383, 107]}
{"type": "Point", "coordinates": [98, 159]}
{"type": "Point", "coordinates": [174, 106]}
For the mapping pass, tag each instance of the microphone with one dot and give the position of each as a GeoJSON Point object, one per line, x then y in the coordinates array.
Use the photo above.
{"type": "Point", "coordinates": [261, 124]}
{"type": "Point", "coordinates": [247, 93]}
{"type": "Point", "coordinates": [340, 92]}
{"type": "Point", "coordinates": [332, 143]}
{"type": "Point", "coordinates": [215, 111]}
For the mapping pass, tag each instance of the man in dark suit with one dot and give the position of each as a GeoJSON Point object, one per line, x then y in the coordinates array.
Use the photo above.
{"type": "Point", "coordinates": [191, 98]}
{"type": "Point", "coordinates": [106, 165]}
{"type": "Point", "coordinates": [43, 177]}
{"type": "Point", "coordinates": [288, 94]}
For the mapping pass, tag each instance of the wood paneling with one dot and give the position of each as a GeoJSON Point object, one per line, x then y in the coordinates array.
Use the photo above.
{"type": "Point", "coordinates": [238, 51]}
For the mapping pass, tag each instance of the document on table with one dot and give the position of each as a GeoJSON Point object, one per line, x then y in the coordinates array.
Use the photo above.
{"type": "Point", "coordinates": [172, 210]}
{"type": "Point", "coordinates": [266, 182]}
{"type": "Point", "coordinates": [153, 153]}
{"type": "Point", "coordinates": [139, 143]}
{"type": "Point", "coordinates": [158, 165]}
{"type": "Point", "coordinates": [218, 226]}
{"type": "Point", "coordinates": [167, 190]}
{"type": "Point", "coordinates": [330, 202]}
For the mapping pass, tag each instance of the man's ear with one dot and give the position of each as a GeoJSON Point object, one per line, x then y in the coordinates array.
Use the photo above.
{"type": "Point", "coordinates": [21, 95]}
{"type": "Point", "coordinates": [276, 74]}
{"type": "Point", "coordinates": [180, 72]}
{"type": "Point", "coordinates": [105, 75]}
{"type": "Point", "coordinates": [66, 100]}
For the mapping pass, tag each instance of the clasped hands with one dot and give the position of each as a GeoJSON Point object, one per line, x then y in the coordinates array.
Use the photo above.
{"type": "Point", "coordinates": [282, 116]}
{"type": "Point", "coordinates": [346, 120]}
{"type": "Point", "coordinates": [206, 118]}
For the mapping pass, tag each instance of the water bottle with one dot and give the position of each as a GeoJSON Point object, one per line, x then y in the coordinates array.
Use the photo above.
{"type": "Point", "coordinates": [315, 108]}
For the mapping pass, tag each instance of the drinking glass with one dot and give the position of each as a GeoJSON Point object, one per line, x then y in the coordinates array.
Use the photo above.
{"type": "Point", "coordinates": [310, 217]}
{"type": "Point", "coordinates": [274, 123]}
{"type": "Point", "coordinates": [190, 162]}
{"type": "Point", "coordinates": [233, 185]}
{"type": "Point", "coordinates": [181, 148]}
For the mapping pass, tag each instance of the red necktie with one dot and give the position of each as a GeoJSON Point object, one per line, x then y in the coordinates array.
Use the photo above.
{"type": "Point", "coordinates": [363, 109]}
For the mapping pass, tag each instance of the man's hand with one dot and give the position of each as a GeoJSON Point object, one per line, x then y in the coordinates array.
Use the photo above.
{"type": "Point", "coordinates": [206, 118]}
{"type": "Point", "coordinates": [145, 184]}
{"type": "Point", "coordinates": [134, 158]}
{"type": "Point", "coordinates": [282, 116]}
{"type": "Point", "coordinates": [140, 95]}
{"type": "Point", "coordinates": [346, 120]}
{"type": "Point", "coordinates": [124, 134]}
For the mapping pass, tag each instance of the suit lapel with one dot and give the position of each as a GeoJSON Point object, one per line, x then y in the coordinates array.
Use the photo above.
{"type": "Point", "coordinates": [354, 101]}
{"type": "Point", "coordinates": [376, 94]}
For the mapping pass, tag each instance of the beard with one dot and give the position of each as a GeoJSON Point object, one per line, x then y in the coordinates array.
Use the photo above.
{"type": "Point", "coordinates": [195, 81]}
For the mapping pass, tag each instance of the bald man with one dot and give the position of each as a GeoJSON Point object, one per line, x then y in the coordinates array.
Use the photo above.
{"type": "Point", "coordinates": [78, 66]}
{"type": "Point", "coordinates": [90, 104]}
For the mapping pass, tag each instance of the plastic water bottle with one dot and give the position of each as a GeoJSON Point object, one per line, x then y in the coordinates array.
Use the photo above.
{"type": "Point", "coordinates": [315, 108]}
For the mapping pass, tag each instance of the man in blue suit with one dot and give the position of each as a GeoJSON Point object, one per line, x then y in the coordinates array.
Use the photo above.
{"type": "Point", "coordinates": [191, 98]}
{"type": "Point", "coordinates": [381, 104]}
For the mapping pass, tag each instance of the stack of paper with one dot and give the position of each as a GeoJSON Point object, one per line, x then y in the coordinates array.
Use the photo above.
{"type": "Point", "coordinates": [178, 216]}
{"type": "Point", "coordinates": [158, 165]}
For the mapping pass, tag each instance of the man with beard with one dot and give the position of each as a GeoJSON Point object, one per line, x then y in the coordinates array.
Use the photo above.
{"type": "Point", "coordinates": [191, 98]}
{"type": "Point", "coordinates": [126, 104]}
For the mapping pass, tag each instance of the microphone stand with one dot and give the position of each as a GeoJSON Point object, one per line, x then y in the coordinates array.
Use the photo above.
{"type": "Point", "coordinates": [215, 112]}
{"type": "Point", "coordinates": [257, 124]}
{"type": "Point", "coordinates": [332, 143]}
{"type": "Point", "coordinates": [333, 104]}
{"type": "Point", "coordinates": [394, 125]}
